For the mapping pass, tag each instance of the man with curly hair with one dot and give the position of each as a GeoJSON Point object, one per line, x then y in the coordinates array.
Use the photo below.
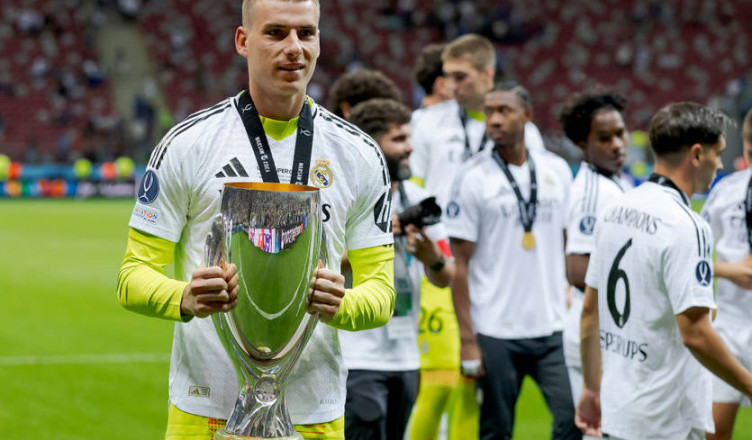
{"type": "Point", "coordinates": [594, 122]}
{"type": "Point", "coordinates": [353, 88]}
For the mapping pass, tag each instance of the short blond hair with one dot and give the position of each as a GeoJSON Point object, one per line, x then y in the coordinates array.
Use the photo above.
{"type": "Point", "coordinates": [474, 48]}
{"type": "Point", "coordinates": [246, 8]}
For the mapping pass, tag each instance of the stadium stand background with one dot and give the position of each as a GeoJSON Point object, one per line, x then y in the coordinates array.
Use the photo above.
{"type": "Point", "coordinates": [100, 79]}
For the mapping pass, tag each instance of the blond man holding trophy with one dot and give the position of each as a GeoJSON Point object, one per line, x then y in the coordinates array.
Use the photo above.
{"type": "Point", "coordinates": [270, 136]}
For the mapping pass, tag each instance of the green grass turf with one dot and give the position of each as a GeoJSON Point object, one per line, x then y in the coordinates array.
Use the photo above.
{"type": "Point", "coordinates": [58, 265]}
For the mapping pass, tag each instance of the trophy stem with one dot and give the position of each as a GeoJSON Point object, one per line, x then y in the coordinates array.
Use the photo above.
{"type": "Point", "coordinates": [261, 420]}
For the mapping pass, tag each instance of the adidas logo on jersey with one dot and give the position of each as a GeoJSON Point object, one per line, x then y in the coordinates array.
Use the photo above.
{"type": "Point", "coordinates": [232, 169]}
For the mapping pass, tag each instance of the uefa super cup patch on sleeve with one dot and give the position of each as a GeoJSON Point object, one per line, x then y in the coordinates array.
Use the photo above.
{"type": "Point", "coordinates": [149, 215]}
{"type": "Point", "coordinates": [452, 209]}
{"type": "Point", "coordinates": [148, 189]}
{"type": "Point", "coordinates": [587, 225]}
{"type": "Point", "coordinates": [704, 273]}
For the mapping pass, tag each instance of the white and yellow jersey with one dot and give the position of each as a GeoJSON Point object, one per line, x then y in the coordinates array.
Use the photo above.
{"type": "Point", "coordinates": [652, 260]}
{"type": "Point", "coordinates": [180, 195]}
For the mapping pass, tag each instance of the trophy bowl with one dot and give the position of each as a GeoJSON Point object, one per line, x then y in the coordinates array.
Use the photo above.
{"type": "Point", "coordinates": [273, 233]}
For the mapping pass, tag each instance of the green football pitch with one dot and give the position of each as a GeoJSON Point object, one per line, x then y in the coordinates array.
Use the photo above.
{"type": "Point", "coordinates": [73, 363]}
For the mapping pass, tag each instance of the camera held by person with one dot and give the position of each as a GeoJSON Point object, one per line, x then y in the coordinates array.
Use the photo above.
{"type": "Point", "coordinates": [425, 213]}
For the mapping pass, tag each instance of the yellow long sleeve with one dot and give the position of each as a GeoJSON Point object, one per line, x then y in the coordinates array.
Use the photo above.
{"type": "Point", "coordinates": [142, 285]}
{"type": "Point", "coordinates": [370, 303]}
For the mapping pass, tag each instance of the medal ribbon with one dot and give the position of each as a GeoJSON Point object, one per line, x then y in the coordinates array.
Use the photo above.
{"type": "Point", "coordinates": [668, 183]}
{"type": "Point", "coordinates": [303, 142]}
{"type": "Point", "coordinates": [527, 209]}
{"type": "Point", "coordinates": [468, 151]}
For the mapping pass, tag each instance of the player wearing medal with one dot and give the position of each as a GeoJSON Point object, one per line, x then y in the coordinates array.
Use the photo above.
{"type": "Point", "coordinates": [443, 390]}
{"type": "Point", "coordinates": [728, 210]}
{"type": "Point", "coordinates": [270, 132]}
{"type": "Point", "coordinates": [645, 318]}
{"type": "Point", "coordinates": [383, 363]}
{"type": "Point", "coordinates": [594, 121]}
{"type": "Point", "coordinates": [448, 133]}
{"type": "Point", "coordinates": [506, 222]}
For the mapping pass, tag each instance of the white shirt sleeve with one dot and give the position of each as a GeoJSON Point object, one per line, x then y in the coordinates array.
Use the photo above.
{"type": "Point", "coordinates": [533, 138]}
{"type": "Point", "coordinates": [369, 222]}
{"type": "Point", "coordinates": [710, 212]}
{"type": "Point", "coordinates": [162, 196]}
{"type": "Point", "coordinates": [591, 276]}
{"type": "Point", "coordinates": [580, 228]}
{"type": "Point", "coordinates": [462, 212]}
{"type": "Point", "coordinates": [688, 269]}
{"type": "Point", "coordinates": [421, 155]}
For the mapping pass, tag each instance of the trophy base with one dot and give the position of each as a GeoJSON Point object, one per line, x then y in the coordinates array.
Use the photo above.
{"type": "Point", "coordinates": [224, 435]}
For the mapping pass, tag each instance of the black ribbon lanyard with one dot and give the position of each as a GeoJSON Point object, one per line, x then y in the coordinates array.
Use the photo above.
{"type": "Point", "coordinates": [303, 143]}
{"type": "Point", "coordinates": [527, 209]}
{"type": "Point", "coordinates": [668, 183]}
{"type": "Point", "coordinates": [468, 151]}
{"type": "Point", "coordinates": [748, 212]}
{"type": "Point", "coordinates": [403, 195]}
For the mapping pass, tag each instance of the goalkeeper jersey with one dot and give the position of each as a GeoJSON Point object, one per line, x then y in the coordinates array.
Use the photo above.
{"type": "Point", "coordinates": [180, 194]}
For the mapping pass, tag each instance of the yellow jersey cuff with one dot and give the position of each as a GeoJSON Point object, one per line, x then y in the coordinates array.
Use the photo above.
{"type": "Point", "coordinates": [142, 285]}
{"type": "Point", "coordinates": [370, 303]}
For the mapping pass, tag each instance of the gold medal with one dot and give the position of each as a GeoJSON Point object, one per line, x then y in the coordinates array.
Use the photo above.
{"type": "Point", "coordinates": [528, 240]}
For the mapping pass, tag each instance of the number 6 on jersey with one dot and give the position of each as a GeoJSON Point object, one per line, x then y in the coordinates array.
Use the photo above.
{"type": "Point", "coordinates": [614, 275]}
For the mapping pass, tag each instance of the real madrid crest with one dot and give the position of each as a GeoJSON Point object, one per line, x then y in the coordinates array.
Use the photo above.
{"type": "Point", "coordinates": [321, 175]}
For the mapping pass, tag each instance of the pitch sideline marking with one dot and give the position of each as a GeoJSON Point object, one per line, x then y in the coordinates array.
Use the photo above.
{"type": "Point", "coordinates": [114, 358]}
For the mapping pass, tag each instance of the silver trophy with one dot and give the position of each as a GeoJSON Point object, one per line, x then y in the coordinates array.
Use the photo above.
{"type": "Point", "coordinates": [273, 233]}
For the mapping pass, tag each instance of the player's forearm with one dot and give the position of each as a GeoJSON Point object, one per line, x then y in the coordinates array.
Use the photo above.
{"type": "Point", "coordinates": [461, 300]}
{"type": "Point", "coordinates": [370, 303]}
{"type": "Point", "coordinates": [721, 269]}
{"type": "Point", "coordinates": [142, 285]}
{"type": "Point", "coordinates": [443, 277]}
{"type": "Point", "coordinates": [576, 265]}
{"type": "Point", "coordinates": [705, 344]}
{"type": "Point", "coordinates": [590, 344]}
{"type": "Point", "coordinates": [143, 290]}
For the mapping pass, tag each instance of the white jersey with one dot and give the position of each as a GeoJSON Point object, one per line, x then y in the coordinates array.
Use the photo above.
{"type": "Point", "coordinates": [724, 210]}
{"type": "Point", "coordinates": [591, 192]}
{"type": "Point", "coordinates": [186, 175]}
{"type": "Point", "coordinates": [515, 293]}
{"type": "Point", "coordinates": [394, 347]}
{"type": "Point", "coordinates": [438, 140]}
{"type": "Point", "coordinates": [652, 261]}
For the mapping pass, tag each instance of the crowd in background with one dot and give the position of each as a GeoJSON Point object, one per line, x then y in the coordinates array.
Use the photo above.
{"type": "Point", "coordinates": [58, 95]}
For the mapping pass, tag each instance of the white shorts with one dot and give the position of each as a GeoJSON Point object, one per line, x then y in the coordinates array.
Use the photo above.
{"type": "Point", "coordinates": [695, 434]}
{"type": "Point", "coordinates": [571, 334]}
{"type": "Point", "coordinates": [738, 338]}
